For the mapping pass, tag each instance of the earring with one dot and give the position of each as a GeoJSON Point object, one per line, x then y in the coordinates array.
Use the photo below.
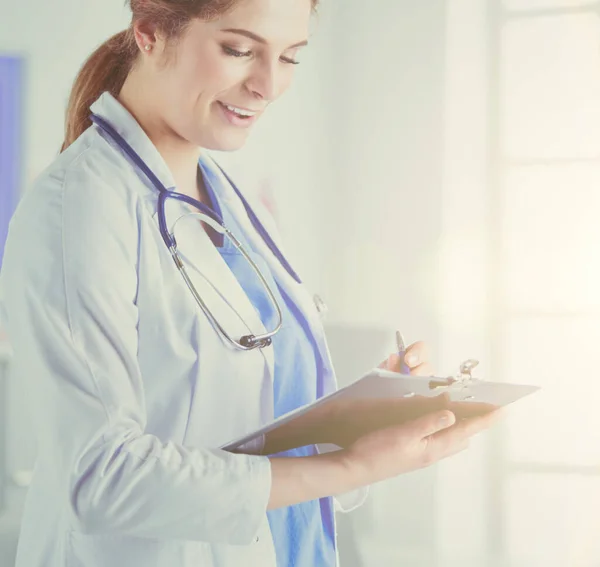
{"type": "Point", "coordinates": [148, 47]}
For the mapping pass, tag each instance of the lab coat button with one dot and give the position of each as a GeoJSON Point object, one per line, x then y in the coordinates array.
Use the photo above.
{"type": "Point", "coordinates": [256, 539]}
{"type": "Point", "coordinates": [320, 305]}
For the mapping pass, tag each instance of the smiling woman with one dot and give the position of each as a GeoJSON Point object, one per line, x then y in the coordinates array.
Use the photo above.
{"type": "Point", "coordinates": [148, 352]}
{"type": "Point", "coordinates": [212, 67]}
{"type": "Point", "coordinates": [187, 42]}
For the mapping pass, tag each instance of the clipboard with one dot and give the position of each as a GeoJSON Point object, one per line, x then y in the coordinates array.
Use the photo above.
{"type": "Point", "coordinates": [464, 394]}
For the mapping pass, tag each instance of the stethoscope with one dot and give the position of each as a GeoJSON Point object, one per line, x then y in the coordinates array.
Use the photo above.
{"type": "Point", "coordinates": [246, 342]}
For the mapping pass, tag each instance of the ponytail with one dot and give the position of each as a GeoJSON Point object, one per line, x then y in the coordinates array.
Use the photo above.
{"type": "Point", "coordinates": [105, 70]}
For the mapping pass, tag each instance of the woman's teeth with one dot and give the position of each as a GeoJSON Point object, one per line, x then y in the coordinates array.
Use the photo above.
{"type": "Point", "coordinates": [239, 111]}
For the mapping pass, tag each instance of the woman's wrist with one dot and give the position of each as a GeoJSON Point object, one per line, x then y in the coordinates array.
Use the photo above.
{"type": "Point", "coordinates": [301, 479]}
{"type": "Point", "coordinates": [356, 472]}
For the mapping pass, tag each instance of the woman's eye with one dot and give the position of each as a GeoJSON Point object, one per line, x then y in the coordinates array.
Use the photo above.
{"type": "Point", "coordinates": [235, 52]}
{"type": "Point", "coordinates": [232, 52]}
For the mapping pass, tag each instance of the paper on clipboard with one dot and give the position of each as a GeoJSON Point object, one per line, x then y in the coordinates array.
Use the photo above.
{"type": "Point", "coordinates": [383, 384]}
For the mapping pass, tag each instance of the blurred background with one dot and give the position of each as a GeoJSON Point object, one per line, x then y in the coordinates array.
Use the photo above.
{"type": "Point", "coordinates": [436, 169]}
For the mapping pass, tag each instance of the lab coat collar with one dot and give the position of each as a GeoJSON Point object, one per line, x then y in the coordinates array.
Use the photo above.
{"type": "Point", "coordinates": [109, 108]}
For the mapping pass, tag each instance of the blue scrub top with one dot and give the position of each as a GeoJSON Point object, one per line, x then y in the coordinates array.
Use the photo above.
{"type": "Point", "coordinates": [303, 534]}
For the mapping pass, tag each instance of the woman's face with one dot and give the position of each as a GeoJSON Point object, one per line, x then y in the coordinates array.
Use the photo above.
{"type": "Point", "coordinates": [222, 74]}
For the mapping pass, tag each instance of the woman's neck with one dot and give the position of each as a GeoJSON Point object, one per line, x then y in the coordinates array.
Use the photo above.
{"type": "Point", "coordinates": [180, 156]}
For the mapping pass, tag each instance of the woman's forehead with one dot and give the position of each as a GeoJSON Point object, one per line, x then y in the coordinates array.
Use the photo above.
{"type": "Point", "coordinates": [275, 21]}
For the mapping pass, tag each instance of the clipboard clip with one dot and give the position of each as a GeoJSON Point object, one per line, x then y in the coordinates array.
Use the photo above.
{"type": "Point", "coordinates": [461, 380]}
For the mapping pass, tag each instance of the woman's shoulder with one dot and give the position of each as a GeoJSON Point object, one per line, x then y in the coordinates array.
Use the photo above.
{"type": "Point", "coordinates": [84, 180]}
{"type": "Point", "coordinates": [82, 195]}
{"type": "Point", "coordinates": [89, 167]}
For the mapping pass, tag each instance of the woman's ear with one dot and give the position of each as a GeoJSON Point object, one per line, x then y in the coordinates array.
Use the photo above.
{"type": "Point", "coordinates": [146, 36]}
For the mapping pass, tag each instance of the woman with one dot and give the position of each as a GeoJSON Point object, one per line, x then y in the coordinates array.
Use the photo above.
{"type": "Point", "coordinates": [133, 386]}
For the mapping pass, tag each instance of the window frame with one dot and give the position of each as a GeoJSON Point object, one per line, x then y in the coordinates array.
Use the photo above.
{"type": "Point", "coordinates": [501, 468]}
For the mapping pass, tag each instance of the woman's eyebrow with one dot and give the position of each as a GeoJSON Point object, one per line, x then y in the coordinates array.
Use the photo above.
{"type": "Point", "coordinates": [258, 38]}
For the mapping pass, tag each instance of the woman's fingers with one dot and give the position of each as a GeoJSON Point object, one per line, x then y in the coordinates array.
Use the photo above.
{"type": "Point", "coordinates": [451, 441]}
{"type": "Point", "coordinates": [391, 363]}
{"type": "Point", "coordinates": [466, 428]}
{"type": "Point", "coordinates": [390, 451]}
{"type": "Point", "coordinates": [416, 354]}
{"type": "Point", "coordinates": [394, 363]}
{"type": "Point", "coordinates": [433, 423]}
{"type": "Point", "coordinates": [416, 358]}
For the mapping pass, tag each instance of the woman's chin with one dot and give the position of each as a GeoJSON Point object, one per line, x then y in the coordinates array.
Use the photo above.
{"type": "Point", "coordinates": [225, 141]}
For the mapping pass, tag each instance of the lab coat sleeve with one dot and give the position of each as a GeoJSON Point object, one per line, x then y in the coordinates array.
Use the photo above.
{"type": "Point", "coordinates": [69, 281]}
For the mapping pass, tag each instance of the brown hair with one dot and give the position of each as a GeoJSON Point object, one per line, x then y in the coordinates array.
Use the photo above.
{"type": "Point", "coordinates": [108, 67]}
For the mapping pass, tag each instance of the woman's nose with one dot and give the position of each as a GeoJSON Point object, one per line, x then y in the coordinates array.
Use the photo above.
{"type": "Point", "coordinates": [265, 83]}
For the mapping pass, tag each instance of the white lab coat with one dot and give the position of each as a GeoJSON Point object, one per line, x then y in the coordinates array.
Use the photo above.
{"type": "Point", "coordinates": [132, 391]}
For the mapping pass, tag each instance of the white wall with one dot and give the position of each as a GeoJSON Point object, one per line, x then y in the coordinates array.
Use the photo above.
{"type": "Point", "coordinates": [54, 37]}
{"type": "Point", "coordinates": [387, 76]}
{"type": "Point", "coordinates": [387, 80]}
{"type": "Point", "coordinates": [410, 250]}
{"type": "Point", "coordinates": [463, 482]}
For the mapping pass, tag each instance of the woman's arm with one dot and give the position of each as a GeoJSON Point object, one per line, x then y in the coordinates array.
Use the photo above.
{"type": "Point", "coordinates": [69, 285]}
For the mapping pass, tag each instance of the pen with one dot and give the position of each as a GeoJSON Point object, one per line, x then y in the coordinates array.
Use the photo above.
{"type": "Point", "coordinates": [401, 345]}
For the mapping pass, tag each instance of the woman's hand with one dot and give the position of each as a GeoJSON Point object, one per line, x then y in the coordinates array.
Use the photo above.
{"type": "Point", "coordinates": [386, 453]}
{"type": "Point", "coordinates": [343, 421]}
{"type": "Point", "coordinates": [416, 357]}
{"type": "Point", "coordinates": [376, 456]}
